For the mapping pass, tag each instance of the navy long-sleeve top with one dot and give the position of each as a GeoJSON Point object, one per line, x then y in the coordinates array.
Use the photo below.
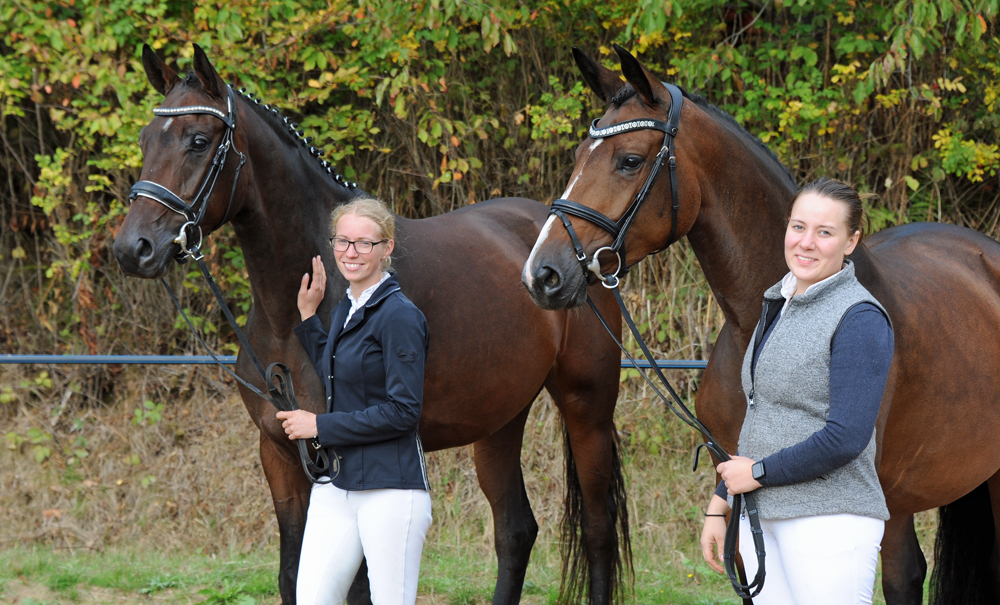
{"type": "Point", "coordinates": [860, 356]}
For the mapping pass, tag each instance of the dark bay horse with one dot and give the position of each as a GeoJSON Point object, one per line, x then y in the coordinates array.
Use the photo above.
{"type": "Point", "coordinates": [939, 428]}
{"type": "Point", "coordinates": [491, 349]}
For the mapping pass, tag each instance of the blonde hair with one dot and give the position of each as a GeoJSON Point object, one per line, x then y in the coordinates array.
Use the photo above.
{"type": "Point", "coordinates": [372, 209]}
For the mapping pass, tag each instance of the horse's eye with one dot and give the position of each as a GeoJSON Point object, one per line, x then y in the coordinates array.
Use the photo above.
{"type": "Point", "coordinates": [199, 143]}
{"type": "Point", "coordinates": [631, 163]}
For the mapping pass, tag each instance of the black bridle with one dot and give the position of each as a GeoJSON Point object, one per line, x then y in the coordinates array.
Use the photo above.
{"type": "Point", "coordinates": [190, 235]}
{"type": "Point", "coordinates": [619, 229]}
{"type": "Point", "coordinates": [277, 377]}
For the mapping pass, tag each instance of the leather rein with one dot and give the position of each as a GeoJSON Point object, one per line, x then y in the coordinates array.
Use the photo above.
{"type": "Point", "coordinates": [619, 229]}
{"type": "Point", "coordinates": [277, 377]}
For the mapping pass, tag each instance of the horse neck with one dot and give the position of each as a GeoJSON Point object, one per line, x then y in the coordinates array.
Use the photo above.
{"type": "Point", "coordinates": [738, 235]}
{"type": "Point", "coordinates": [282, 222]}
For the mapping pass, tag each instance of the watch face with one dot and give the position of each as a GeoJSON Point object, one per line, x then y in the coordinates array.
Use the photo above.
{"type": "Point", "coordinates": [758, 470]}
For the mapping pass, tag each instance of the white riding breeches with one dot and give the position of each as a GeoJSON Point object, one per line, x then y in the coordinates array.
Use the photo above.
{"type": "Point", "coordinates": [821, 560]}
{"type": "Point", "coordinates": [386, 527]}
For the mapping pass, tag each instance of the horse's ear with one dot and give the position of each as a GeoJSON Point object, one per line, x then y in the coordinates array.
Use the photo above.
{"type": "Point", "coordinates": [159, 73]}
{"type": "Point", "coordinates": [604, 82]}
{"type": "Point", "coordinates": [637, 75]}
{"type": "Point", "coordinates": [210, 80]}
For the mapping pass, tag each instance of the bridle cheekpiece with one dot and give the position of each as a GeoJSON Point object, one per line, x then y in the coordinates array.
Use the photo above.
{"type": "Point", "coordinates": [619, 229]}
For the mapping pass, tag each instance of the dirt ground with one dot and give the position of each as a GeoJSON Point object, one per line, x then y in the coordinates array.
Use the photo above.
{"type": "Point", "coordinates": [29, 593]}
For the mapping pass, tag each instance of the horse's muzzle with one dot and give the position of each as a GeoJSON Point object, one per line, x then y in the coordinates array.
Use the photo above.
{"type": "Point", "coordinates": [140, 256]}
{"type": "Point", "coordinates": [555, 285]}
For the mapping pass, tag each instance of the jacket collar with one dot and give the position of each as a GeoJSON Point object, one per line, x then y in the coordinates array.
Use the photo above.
{"type": "Point", "coordinates": [390, 285]}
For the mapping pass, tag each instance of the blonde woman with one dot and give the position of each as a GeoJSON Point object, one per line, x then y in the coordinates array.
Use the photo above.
{"type": "Point", "coordinates": [372, 361]}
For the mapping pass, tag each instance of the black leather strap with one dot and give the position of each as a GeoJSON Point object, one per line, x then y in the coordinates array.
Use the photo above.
{"type": "Point", "coordinates": [619, 229]}
{"type": "Point", "coordinates": [743, 589]}
{"type": "Point", "coordinates": [277, 382]}
{"type": "Point", "coordinates": [588, 214]}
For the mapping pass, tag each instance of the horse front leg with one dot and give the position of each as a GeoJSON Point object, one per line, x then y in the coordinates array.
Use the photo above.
{"type": "Point", "coordinates": [498, 469]}
{"type": "Point", "coordinates": [903, 563]}
{"type": "Point", "coordinates": [596, 510]}
{"type": "Point", "coordinates": [290, 494]}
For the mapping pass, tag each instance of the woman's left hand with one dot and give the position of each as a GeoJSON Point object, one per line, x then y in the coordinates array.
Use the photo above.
{"type": "Point", "coordinates": [299, 424]}
{"type": "Point", "coordinates": [738, 475]}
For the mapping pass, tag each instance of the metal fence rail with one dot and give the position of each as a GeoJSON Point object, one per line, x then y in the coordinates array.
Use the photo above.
{"type": "Point", "coordinates": [668, 364]}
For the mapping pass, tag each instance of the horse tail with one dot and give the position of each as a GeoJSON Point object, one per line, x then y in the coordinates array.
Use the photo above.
{"type": "Point", "coordinates": [575, 584]}
{"type": "Point", "coordinates": [962, 552]}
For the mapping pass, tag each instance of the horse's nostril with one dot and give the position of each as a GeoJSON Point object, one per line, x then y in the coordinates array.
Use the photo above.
{"type": "Point", "coordinates": [143, 249]}
{"type": "Point", "coordinates": [548, 277]}
{"type": "Point", "coordinates": [552, 280]}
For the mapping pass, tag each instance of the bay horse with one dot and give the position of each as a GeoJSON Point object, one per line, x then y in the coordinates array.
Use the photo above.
{"type": "Point", "coordinates": [491, 349]}
{"type": "Point", "coordinates": [938, 430]}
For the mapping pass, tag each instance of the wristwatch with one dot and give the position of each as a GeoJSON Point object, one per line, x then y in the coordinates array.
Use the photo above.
{"type": "Point", "coordinates": [757, 470]}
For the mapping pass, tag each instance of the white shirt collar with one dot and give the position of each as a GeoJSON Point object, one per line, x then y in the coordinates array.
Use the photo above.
{"type": "Point", "coordinates": [789, 282]}
{"type": "Point", "coordinates": [361, 300]}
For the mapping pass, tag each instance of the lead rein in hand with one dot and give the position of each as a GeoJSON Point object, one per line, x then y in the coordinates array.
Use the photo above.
{"type": "Point", "coordinates": [745, 591]}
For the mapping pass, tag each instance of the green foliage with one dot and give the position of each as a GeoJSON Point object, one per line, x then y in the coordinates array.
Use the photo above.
{"type": "Point", "coordinates": [149, 413]}
{"type": "Point", "coordinates": [77, 451]}
{"type": "Point", "coordinates": [229, 594]}
{"type": "Point", "coordinates": [434, 104]}
{"type": "Point", "coordinates": [159, 583]}
{"type": "Point", "coordinates": [971, 159]}
{"type": "Point", "coordinates": [41, 441]}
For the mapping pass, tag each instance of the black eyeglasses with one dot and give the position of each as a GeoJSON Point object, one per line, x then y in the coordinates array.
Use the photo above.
{"type": "Point", "coordinates": [341, 244]}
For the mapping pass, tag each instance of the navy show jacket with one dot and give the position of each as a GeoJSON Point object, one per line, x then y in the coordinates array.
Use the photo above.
{"type": "Point", "coordinates": [373, 369]}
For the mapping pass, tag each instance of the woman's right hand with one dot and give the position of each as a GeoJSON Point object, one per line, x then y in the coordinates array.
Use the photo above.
{"type": "Point", "coordinates": [713, 534]}
{"type": "Point", "coordinates": [310, 296]}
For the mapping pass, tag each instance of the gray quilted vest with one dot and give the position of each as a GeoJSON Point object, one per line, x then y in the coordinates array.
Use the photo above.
{"type": "Point", "coordinates": [791, 401]}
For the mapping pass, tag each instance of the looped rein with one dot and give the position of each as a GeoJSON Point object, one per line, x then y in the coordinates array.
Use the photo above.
{"type": "Point", "coordinates": [277, 377]}
{"type": "Point", "coordinates": [619, 229]}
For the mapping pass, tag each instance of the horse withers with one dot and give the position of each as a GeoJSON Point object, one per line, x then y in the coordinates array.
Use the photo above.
{"type": "Point", "coordinates": [491, 349]}
{"type": "Point", "coordinates": [938, 427]}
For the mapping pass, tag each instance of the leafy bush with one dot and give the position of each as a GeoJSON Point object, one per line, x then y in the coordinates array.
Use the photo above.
{"type": "Point", "coordinates": [434, 104]}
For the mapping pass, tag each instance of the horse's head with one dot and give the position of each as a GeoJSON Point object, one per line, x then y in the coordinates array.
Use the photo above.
{"type": "Point", "coordinates": [176, 200]}
{"type": "Point", "coordinates": [626, 159]}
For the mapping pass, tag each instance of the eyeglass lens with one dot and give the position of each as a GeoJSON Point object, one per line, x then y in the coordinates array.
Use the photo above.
{"type": "Point", "coordinates": [362, 247]}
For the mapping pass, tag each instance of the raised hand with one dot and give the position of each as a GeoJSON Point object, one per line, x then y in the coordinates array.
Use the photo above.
{"type": "Point", "coordinates": [311, 295]}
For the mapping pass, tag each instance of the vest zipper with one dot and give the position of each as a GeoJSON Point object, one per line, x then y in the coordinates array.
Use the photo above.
{"type": "Point", "coordinates": [758, 333]}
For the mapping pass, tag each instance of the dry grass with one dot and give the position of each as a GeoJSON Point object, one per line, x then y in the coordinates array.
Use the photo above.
{"type": "Point", "coordinates": [192, 478]}
{"type": "Point", "coordinates": [191, 481]}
